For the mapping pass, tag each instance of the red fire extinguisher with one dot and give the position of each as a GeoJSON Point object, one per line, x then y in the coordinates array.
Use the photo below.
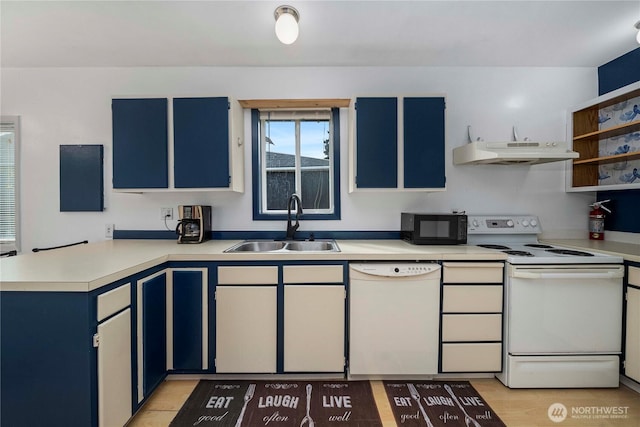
{"type": "Point", "coordinates": [596, 220]}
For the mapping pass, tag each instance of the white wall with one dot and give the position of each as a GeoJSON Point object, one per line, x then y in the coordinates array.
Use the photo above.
{"type": "Point", "coordinates": [72, 106]}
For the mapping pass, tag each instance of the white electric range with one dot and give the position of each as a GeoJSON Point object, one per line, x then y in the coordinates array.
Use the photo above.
{"type": "Point", "coordinates": [517, 236]}
{"type": "Point", "coordinates": [562, 307]}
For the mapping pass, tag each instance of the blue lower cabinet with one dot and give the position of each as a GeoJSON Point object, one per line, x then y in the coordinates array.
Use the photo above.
{"type": "Point", "coordinates": [50, 371]}
{"type": "Point", "coordinates": [190, 313]}
{"type": "Point", "coordinates": [152, 350]}
{"type": "Point", "coordinates": [47, 368]}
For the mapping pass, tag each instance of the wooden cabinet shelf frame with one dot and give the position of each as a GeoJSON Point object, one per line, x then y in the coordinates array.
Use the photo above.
{"type": "Point", "coordinates": [609, 159]}
{"type": "Point", "coordinates": [611, 132]}
{"type": "Point", "coordinates": [584, 130]}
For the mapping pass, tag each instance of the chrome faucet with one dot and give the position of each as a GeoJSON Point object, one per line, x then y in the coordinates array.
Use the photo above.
{"type": "Point", "coordinates": [291, 228]}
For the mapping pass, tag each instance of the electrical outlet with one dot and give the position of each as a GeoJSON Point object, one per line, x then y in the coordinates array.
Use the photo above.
{"type": "Point", "coordinates": [108, 230]}
{"type": "Point", "coordinates": [166, 213]}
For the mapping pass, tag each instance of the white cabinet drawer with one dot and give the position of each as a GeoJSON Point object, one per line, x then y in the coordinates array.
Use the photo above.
{"type": "Point", "coordinates": [248, 275]}
{"type": "Point", "coordinates": [313, 274]}
{"type": "Point", "coordinates": [472, 272]}
{"type": "Point", "coordinates": [471, 327]}
{"type": "Point", "coordinates": [472, 299]}
{"type": "Point", "coordinates": [113, 301]}
{"type": "Point", "coordinates": [481, 357]}
{"type": "Point", "coordinates": [634, 276]}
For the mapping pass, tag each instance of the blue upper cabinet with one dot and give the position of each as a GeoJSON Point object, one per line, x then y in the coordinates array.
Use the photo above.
{"type": "Point", "coordinates": [206, 144]}
{"type": "Point", "coordinates": [201, 142]}
{"type": "Point", "coordinates": [377, 143]}
{"type": "Point", "coordinates": [399, 144]}
{"type": "Point", "coordinates": [424, 143]}
{"type": "Point", "coordinates": [140, 145]}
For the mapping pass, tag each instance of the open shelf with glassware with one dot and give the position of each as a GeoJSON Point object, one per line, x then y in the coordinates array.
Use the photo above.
{"type": "Point", "coordinates": [606, 134]}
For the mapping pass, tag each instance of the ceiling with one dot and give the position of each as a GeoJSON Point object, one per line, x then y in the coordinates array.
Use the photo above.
{"type": "Point", "coordinates": [84, 33]}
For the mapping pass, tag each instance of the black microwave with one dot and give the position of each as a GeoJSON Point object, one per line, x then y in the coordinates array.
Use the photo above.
{"type": "Point", "coordinates": [433, 229]}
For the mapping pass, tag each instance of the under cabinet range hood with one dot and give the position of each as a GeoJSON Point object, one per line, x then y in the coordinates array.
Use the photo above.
{"type": "Point", "coordinates": [509, 153]}
{"type": "Point", "coordinates": [525, 152]}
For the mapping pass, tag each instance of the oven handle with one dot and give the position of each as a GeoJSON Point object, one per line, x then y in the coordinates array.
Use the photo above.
{"type": "Point", "coordinates": [590, 274]}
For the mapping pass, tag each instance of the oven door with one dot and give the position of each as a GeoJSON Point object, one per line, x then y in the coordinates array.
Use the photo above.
{"type": "Point", "coordinates": [564, 309]}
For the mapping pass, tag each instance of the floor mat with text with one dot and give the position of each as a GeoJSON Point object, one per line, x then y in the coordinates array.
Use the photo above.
{"type": "Point", "coordinates": [439, 403]}
{"type": "Point", "coordinates": [279, 403]}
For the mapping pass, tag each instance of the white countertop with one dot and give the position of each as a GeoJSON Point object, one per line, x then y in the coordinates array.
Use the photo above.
{"type": "Point", "coordinates": [629, 251]}
{"type": "Point", "coordinates": [87, 267]}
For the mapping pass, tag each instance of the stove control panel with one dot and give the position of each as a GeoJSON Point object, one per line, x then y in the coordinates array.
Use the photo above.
{"type": "Point", "coordinates": [503, 224]}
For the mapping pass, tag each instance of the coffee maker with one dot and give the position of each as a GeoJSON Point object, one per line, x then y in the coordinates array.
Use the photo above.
{"type": "Point", "coordinates": [194, 224]}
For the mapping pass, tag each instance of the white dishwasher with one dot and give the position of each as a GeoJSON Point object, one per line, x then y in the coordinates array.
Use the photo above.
{"type": "Point", "coordinates": [394, 318]}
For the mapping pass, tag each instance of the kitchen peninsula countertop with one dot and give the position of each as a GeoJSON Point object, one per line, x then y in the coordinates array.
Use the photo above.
{"type": "Point", "coordinates": [87, 267]}
{"type": "Point", "coordinates": [629, 251]}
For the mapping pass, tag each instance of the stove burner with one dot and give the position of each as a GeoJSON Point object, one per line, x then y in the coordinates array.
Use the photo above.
{"type": "Point", "coordinates": [569, 252]}
{"type": "Point", "coordinates": [539, 245]}
{"type": "Point", "coordinates": [494, 246]}
{"type": "Point", "coordinates": [518, 253]}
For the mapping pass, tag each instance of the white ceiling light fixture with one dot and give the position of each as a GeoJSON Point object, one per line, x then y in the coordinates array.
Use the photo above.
{"type": "Point", "coordinates": [287, 24]}
{"type": "Point", "coordinates": [638, 28]}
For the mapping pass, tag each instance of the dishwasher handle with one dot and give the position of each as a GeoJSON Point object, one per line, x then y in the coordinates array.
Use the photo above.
{"type": "Point", "coordinates": [569, 274]}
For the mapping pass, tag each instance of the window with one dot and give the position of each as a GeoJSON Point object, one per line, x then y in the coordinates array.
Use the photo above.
{"type": "Point", "coordinates": [296, 152]}
{"type": "Point", "coordinates": [9, 143]}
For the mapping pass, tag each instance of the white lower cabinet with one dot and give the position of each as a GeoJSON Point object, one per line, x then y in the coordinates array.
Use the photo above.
{"type": "Point", "coordinates": [246, 320]}
{"type": "Point", "coordinates": [471, 357]}
{"type": "Point", "coordinates": [471, 317]}
{"type": "Point", "coordinates": [471, 327]}
{"type": "Point", "coordinates": [314, 318]}
{"type": "Point", "coordinates": [632, 337]}
{"type": "Point", "coordinates": [114, 357]}
{"type": "Point", "coordinates": [280, 318]}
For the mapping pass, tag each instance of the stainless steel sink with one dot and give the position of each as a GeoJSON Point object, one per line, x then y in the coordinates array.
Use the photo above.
{"type": "Point", "coordinates": [285, 246]}
{"type": "Point", "coordinates": [256, 246]}
{"type": "Point", "coordinates": [312, 246]}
